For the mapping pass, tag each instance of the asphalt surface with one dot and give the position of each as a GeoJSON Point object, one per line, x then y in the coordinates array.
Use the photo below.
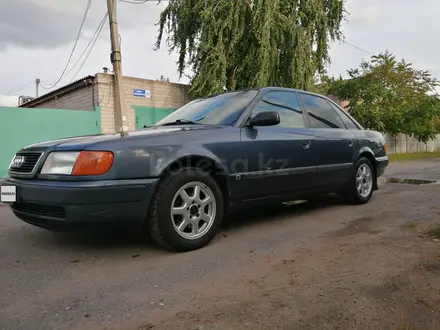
{"type": "Point", "coordinates": [122, 281]}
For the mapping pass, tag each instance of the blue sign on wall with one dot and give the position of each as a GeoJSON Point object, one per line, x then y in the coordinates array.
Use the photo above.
{"type": "Point", "coordinates": [141, 93]}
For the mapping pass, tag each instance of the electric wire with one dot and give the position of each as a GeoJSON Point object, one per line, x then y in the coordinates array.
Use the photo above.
{"type": "Point", "coordinates": [62, 75]}
{"type": "Point", "coordinates": [93, 41]}
{"type": "Point", "coordinates": [18, 88]}
{"type": "Point", "coordinates": [91, 44]}
{"type": "Point", "coordinates": [358, 48]}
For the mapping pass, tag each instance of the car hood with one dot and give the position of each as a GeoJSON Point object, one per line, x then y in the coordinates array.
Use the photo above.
{"type": "Point", "coordinates": [80, 142]}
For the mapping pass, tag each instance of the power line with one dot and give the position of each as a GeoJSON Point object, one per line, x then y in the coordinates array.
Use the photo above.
{"type": "Point", "coordinates": [17, 88]}
{"type": "Point", "coordinates": [358, 48]}
{"type": "Point", "coordinates": [74, 45]}
{"type": "Point", "coordinates": [91, 43]}
{"type": "Point", "coordinates": [97, 31]}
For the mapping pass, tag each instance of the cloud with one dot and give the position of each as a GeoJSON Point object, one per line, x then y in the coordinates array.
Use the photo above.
{"type": "Point", "coordinates": [40, 33]}
{"type": "Point", "coordinates": [365, 15]}
{"type": "Point", "coordinates": [138, 34]}
{"type": "Point", "coordinates": [29, 25]}
{"type": "Point", "coordinates": [404, 29]}
{"type": "Point", "coordinates": [53, 23]}
{"type": "Point", "coordinates": [8, 101]}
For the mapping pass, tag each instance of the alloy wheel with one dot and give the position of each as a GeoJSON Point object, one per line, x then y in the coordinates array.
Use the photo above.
{"type": "Point", "coordinates": [193, 210]}
{"type": "Point", "coordinates": [364, 180]}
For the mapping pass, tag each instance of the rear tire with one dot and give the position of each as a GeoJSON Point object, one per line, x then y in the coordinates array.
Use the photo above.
{"type": "Point", "coordinates": [361, 186]}
{"type": "Point", "coordinates": [186, 211]}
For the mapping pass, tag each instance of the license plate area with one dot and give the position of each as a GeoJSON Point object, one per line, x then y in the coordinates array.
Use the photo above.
{"type": "Point", "coordinates": [8, 194]}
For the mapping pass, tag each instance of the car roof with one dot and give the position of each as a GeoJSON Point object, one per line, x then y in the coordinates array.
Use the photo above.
{"type": "Point", "coordinates": [273, 88]}
{"type": "Point", "coordinates": [265, 89]}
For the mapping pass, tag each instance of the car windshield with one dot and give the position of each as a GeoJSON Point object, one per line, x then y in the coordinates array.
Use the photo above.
{"type": "Point", "coordinates": [222, 109]}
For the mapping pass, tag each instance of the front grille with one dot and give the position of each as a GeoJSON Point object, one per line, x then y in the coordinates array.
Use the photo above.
{"type": "Point", "coordinates": [25, 162]}
{"type": "Point", "coordinates": [40, 209]}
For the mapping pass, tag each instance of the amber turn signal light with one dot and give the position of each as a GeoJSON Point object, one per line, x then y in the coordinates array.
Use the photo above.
{"type": "Point", "coordinates": [385, 147]}
{"type": "Point", "coordinates": [93, 163]}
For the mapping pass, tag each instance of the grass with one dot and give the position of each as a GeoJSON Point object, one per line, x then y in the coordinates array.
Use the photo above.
{"type": "Point", "coordinates": [412, 225]}
{"type": "Point", "coordinates": [414, 156]}
{"type": "Point", "coordinates": [435, 232]}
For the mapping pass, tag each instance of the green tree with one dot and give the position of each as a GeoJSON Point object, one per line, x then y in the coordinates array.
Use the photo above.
{"type": "Point", "coordinates": [236, 44]}
{"type": "Point", "coordinates": [391, 96]}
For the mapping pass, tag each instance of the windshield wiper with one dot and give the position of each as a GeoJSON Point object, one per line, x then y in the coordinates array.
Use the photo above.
{"type": "Point", "coordinates": [180, 122]}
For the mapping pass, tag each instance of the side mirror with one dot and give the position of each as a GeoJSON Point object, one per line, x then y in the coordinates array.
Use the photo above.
{"type": "Point", "coordinates": [266, 118]}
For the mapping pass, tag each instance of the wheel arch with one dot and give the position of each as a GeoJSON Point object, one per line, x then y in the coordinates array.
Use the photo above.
{"type": "Point", "coordinates": [368, 153]}
{"type": "Point", "coordinates": [206, 163]}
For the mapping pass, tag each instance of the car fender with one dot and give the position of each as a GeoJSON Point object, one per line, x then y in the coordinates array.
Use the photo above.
{"type": "Point", "coordinates": [182, 155]}
{"type": "Point", "coordinates": [365, 150]}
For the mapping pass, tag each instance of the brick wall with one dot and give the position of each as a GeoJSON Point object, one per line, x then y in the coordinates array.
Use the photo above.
{"type": "Point", "coordinates": [163, 95]}
{"type": "Point", "coordinates": [80, 99]}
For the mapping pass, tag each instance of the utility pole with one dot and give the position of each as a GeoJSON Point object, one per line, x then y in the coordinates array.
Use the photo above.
{"type": "Point", "coordinates": [116, 60]}
{"type": "Point", "coordinates": [37, 85]}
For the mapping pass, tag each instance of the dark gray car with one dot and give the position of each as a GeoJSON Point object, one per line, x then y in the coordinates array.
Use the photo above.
{"type": "Point", "coordinates": [180, 177]}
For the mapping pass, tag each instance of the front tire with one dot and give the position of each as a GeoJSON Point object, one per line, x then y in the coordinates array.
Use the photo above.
{"type": "Point", "coordinates": [187, 210]}
{"type": "Point", "coordinates": [361, 186]}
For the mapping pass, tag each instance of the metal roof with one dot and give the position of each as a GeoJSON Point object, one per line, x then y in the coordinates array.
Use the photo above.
{"type": "Point", "coordinates": [75, 85]}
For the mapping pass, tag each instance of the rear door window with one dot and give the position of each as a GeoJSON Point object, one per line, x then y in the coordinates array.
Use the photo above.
{"type": "Point", "coordinates": [347, 120]}
{"type": "Point", "coordinates": [320, 112]}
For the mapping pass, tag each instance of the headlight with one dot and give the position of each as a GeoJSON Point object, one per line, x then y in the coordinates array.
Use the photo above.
{"type": "Point", "coordinates": [60, 163]}
{"type": "Point", "coordinates": [78, 163]}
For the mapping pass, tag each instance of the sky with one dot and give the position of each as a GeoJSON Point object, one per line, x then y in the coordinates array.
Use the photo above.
{"type": "Point", "coordinates": [39, 46]}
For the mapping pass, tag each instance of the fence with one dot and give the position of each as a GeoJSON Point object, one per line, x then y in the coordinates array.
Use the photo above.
{"type": "Point", "coordinates": [23, 126]}
{"type": "Point", "coordinates": [149, 115]}
{"type": "Point", "coordinates": [401, 144]}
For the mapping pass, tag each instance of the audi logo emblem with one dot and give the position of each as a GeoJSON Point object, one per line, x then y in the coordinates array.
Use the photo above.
{"type": "Point", "coordinates": [17, 162]}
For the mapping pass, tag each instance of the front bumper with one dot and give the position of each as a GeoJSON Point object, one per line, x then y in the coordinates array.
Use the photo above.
{"type": "Point", "coordinates": [72, 205]}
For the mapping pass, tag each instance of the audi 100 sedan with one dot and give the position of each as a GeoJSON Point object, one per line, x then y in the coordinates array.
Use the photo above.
{"type": "Point", "coordinates": [178, 179]}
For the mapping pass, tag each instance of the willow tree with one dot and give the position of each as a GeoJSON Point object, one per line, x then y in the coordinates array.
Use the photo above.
{"type": "Point", "coordinates": [236, 44]}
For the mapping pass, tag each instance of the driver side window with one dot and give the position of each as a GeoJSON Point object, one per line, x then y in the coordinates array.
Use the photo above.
{"type": "Point", "coordinates": [286, 104]}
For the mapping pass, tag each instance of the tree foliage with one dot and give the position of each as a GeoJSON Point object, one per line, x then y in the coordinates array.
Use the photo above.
{"type": "Point", "coordinates": [237, 44]}
{"type": "Point", "coordinates": [391, 96]}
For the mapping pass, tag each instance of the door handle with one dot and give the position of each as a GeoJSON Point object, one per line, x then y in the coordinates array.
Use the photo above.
{"type": "Point", "coordinates": [306, 145]}
{"type": "Point", "coordinates": [350, 143]}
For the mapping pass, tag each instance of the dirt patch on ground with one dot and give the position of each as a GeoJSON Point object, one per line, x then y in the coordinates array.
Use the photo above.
{"type": "Point", "coordinates": [365, 276]}
{"type": "Point", "coordinates": [360, 225]}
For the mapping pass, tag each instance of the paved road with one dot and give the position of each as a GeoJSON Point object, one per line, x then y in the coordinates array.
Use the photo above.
{"type": "Point", "coordinates": [121, 281]}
